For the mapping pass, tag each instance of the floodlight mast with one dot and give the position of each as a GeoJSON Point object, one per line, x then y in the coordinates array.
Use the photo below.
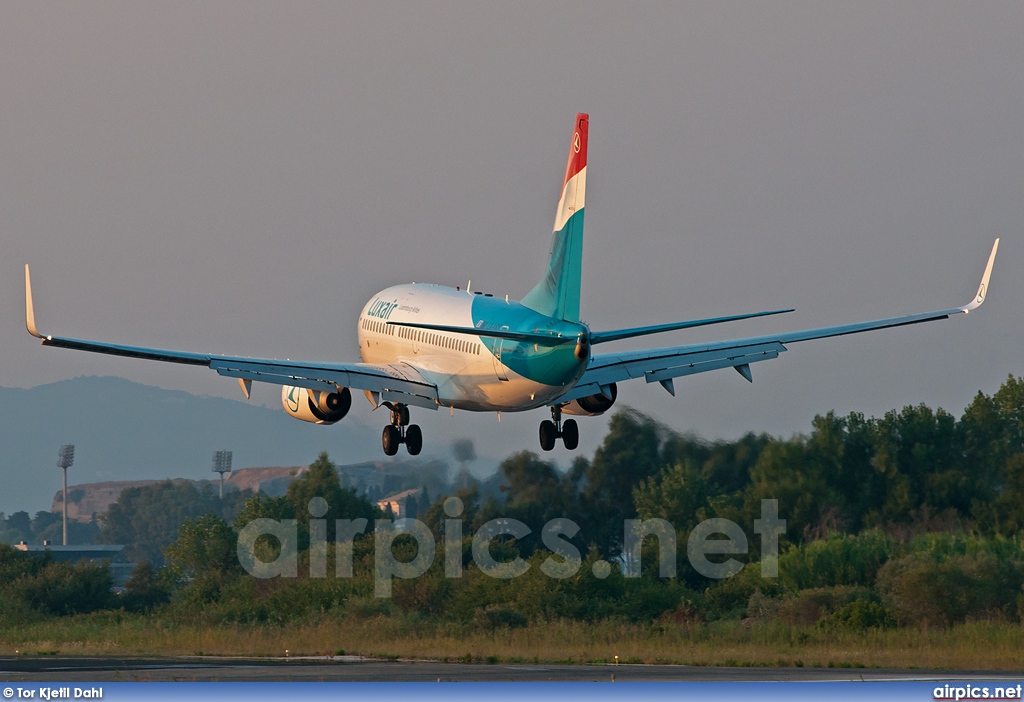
{"type": "Point", "coordinates": [65, 459]}
{"type": "Point", "coordinates": [222, 465]}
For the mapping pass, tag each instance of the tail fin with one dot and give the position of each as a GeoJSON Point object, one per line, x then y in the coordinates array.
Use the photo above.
{"type": "Point", "coordinates": [558, 292]}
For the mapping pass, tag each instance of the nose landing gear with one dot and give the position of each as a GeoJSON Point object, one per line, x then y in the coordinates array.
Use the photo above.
{"type": "Point", "coordinates": [552, 429]}
{"type": "Point", "coordinates": [401, 432]}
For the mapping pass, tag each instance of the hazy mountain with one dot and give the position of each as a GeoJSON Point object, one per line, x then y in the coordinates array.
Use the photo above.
{"type": "Point", "coordinates": [128, 431]}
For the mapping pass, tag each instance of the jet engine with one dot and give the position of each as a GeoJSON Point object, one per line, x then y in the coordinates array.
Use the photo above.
{"type": "Point", "coordinates": [592, 404]}
{"type": "Point", "coordinates": [316, 406]}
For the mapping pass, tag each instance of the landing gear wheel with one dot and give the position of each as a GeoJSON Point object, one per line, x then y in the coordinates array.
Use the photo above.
{"type": "Point", "coordinates": [390, 439]}
{"type": "Point", "coordinates": [548, 435]}
{"type": "Point", "coordinates": [570, 434]}
{"type": "Point", "coordinates": [413, 439]}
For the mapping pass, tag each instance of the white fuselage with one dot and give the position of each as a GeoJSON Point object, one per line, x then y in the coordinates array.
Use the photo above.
{"type": "Point", "coordinates": [467, 370]}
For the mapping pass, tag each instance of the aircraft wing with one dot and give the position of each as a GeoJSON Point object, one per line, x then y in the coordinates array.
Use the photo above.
{"type": "Point", "coordinates": [663, 364]}
{"type": "Point", "coordinates": [397, 382]}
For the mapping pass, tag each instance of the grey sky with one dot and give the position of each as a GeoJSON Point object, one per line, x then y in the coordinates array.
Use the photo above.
{"type": "Point", "coordinates": [241, 177]}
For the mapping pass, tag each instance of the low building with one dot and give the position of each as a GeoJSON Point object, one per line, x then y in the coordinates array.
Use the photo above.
{"type": "Point", "coordinates": [399, 504]}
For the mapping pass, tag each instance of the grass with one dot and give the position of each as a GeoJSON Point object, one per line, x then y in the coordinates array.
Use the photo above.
{"type": "Point", "coordinates": [970, 646]}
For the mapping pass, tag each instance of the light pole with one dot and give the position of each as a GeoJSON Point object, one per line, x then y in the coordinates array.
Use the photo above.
{"type": "Point", "coordinates": [222, 465]}
{"type": "Point", "coordinates": [65, 459]}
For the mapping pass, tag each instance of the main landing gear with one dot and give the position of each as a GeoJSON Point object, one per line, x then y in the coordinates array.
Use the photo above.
{"type": "Point", "coordinates": [552, 429]}
{"type": "Point", "coordinates": [401, 432]}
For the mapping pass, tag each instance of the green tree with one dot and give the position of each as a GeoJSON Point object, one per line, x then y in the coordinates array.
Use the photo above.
{"type": "Point", "coordinates": [16, 528]}
{"type": "Point", "coordinates": [535, 494]}
{"type": "Point", "coordinates": [261, 506]}
{"type": "Point", "coordinates": [993, 437]}
{"type": "Point", "coordinates": [146, 519]}
{"type": "Point", "coordinates": [205, 546]}
{"type": "Point", "coordinates": [919, 452]}
{"type": "Point", "coordinates": [788, 472]}
{"type": "Point", "coordinates": [203, 560]}
{"type": "Point", "coordinates": [679, 494]}
{"type": "Point", "coordinates": [15, 564]}
{"type": "Point", "coordinates": [630, 452]}
{"type": "Point", "coordinates": [321, 480]}
{"type": "Point", "coordinates": [843, 447]}
{"type": "Point", "coordinates": [727, 464]}
{"type": "Point", "coordinates": [61, 588]}
{"type": "Point", "coordinates": [144, 590]}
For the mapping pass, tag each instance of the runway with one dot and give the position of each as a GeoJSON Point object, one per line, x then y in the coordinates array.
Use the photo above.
{"type": "Point", "coordinates": [355, 669]}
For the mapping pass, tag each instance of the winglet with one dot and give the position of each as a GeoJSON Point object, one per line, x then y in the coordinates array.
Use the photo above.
{"type": "Point", "coordinates": [30, 313]}
{"type": "Point", "coordinates": [983, 288]}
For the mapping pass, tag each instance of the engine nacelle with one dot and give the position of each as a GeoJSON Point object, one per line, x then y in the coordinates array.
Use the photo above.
{"type": "Point", "coordinates": [592, 404]}
{"type": "Point", "coordinates": [316, 406]}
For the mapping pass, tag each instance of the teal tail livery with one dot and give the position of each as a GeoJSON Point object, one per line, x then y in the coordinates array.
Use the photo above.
{"type": "Point", "coordinates": [431, 346]}
{"type": "Point", "coordinates": [558, 293]}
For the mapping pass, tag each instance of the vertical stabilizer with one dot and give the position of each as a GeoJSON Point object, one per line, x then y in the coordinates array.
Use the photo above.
{"type": "Point", "coordinates": [558, 292]}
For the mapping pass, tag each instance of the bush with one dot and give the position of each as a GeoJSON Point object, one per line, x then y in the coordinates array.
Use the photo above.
{"type": "Point", "coordinates": [15, 564]}
{"type": "Point", "coordinates": [499, 617]}
{"type": "Point", "coordinates": [205, 546]}
{"type": "Point", "coordinates": [815, 604]}
{"type": "Point", "coordinates": [62, 588]}
{"type": "Point", "coordinates": [837, 560]}
{"type": "Point", "coordinates": [143, 590]}
{"type": "Point", "coordinates": [427, 594]}
{"type": "Point", "coordinates": [861, 615]}
{"type": "Point", "coordinates": [762, 608]}
{"type": "Point", "coordinates": [946, 592]}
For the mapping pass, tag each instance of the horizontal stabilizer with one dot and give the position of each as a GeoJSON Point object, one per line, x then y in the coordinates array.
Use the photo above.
{"type": "Point", "coordinates": [618, 334]}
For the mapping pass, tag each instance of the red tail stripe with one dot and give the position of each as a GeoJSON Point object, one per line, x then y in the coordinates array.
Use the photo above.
{"type": "Point", "coordinates": [577, 147]}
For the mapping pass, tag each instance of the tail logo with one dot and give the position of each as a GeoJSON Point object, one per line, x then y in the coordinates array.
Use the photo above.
{"type": "Point", "coordinates": [575, 142]}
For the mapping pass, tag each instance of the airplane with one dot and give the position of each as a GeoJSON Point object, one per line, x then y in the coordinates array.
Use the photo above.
{"type": "Point", "coordinates": [430, 346]}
